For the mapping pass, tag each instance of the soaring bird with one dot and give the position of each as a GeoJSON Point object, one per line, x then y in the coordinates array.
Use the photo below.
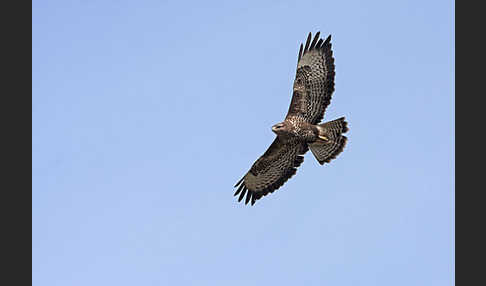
{"type": "Point", "coordinates": [301, 130]}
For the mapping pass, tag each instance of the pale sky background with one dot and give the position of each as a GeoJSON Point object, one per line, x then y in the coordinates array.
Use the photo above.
{"type": "Point", "coordinates": [146, 113]}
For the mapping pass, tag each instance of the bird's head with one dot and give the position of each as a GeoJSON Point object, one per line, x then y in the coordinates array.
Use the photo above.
{"type": "Point", "coordinates": [280, 128]}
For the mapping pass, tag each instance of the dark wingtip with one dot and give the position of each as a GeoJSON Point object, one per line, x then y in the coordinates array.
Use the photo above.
{"type": "Point", "coordinates": [314, 42]}
{"type": "Point", "coordinates": [248, 197]}
{"type": "Point", "coordinates": [328, 40]}
{"type": "Point", "coordinates": [242, 195]}
{"type": "Point", "coordinates": [307, 42]}
{"type": "Point", "coordinates": [251, 196]}
{"type": "Point", "coordinates": [239, 182]}
{"type": "Point", "coordinates": [317, 43]}
{"type": "Point", "coordinates": [239, 189]}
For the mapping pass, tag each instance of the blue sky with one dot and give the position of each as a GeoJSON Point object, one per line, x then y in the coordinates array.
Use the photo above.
{"type": "Point", "coordinates": [146, 113]}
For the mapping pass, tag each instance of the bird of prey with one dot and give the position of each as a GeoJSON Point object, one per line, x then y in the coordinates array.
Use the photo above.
{"type": "Point", "coordinates": [300, 131]}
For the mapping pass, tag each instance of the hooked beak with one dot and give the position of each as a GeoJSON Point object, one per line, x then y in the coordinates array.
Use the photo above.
{"type": "Point", "coordinates": [276, 126]}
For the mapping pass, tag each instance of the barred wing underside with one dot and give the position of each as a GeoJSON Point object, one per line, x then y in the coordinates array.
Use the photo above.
{"type": "Point", "coordinates": [314, 80]}
{"type": "Point", "coordinates": [278, 164]}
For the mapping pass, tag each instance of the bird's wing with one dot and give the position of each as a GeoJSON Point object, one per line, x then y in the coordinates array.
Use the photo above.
{"type": "Point", "coordinates": [271, 170]}
{"type": "Point", "coordinates": [314, 80]}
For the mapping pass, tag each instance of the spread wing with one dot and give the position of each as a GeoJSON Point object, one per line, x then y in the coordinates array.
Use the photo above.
{"type": "Point", "coordinates": [314, 80]}
{"type": "Point", "coordinates": [278, 164]}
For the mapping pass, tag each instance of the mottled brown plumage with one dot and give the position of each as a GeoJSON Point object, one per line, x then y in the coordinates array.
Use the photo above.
{"type": "Point", "coordinates": [300, 131]}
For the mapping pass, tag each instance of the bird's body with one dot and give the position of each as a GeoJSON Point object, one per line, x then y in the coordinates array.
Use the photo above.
{"type": "Point", "coordinates": [300, 131]}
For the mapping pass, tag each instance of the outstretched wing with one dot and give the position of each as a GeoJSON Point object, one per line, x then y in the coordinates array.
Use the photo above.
{"type": "Point", "coordinates": [278, 164]}
{"type": "Point", "coordinates": [314, 80]}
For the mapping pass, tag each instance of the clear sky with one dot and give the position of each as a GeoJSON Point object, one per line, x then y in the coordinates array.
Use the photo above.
{"type": "Point", "coordinates": [146, 113]}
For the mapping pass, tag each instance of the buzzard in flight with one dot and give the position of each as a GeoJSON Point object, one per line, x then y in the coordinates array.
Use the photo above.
{"type": "Point", "coordinates": [300, 131]}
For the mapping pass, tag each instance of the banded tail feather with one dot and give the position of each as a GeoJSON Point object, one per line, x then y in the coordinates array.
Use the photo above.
{"type": "Point", "coordinates": [331, 142]}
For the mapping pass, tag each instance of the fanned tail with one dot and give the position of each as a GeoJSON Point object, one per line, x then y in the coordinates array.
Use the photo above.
{"type": "Point", "coordinates": [331, 142]}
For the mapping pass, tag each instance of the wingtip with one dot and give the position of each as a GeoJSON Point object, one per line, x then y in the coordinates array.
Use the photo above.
{"type": "Point", "coordinates": [248, 197]}
{"type": "Point", "coordinates": [328, 39]}
{"type": "Point", "coordinates": [314, 42]}
{"type": "Point", "coordinates": [239, 189]}
{"type": "Point", "coordinates": [239, 182]}
{"type": "Point", "coordinates": [242, 194]}
{"type": "Point", "coordinates": [300, 51]}
{"type": "Point", "coordinates": [307, 42]}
